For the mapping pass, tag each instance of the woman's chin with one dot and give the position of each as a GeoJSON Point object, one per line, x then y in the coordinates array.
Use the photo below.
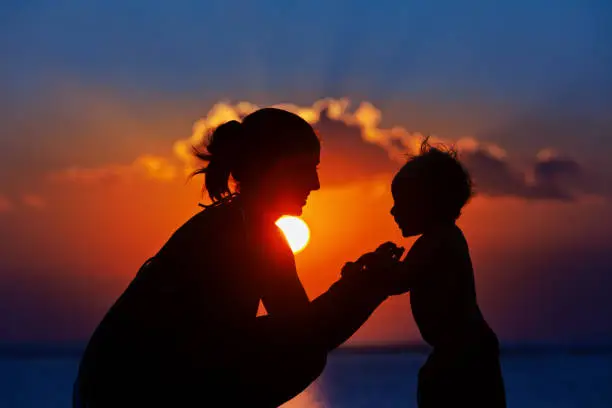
{"type": "Point", "coordinates": [295, 211]}
{"type": "Point", "coordinates": [292, 210]}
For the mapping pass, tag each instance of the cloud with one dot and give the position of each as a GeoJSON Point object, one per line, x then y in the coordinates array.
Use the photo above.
{"type": "Point", "coordinates": [356, 145]}
{"type": "Point", "coordinates": [492, 174]}
{"type": "Point", "coordinates": [559, 177]}
{"type": "Point", "coordinates": [146, 166]}
{"type": "Point", "coordinates": [345, 156]}
{"type": "Point", "coordinates": [353, 146]}
{"type": "Point", "coordinates": [549, 176]}
{"type": "Point", "coordinates": [82, 175]}
{"type": "Point", "coordinates": [155, 167]}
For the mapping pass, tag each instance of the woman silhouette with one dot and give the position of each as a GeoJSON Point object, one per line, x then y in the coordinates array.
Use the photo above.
{"type": "Point", "coordinates": [185, 330]}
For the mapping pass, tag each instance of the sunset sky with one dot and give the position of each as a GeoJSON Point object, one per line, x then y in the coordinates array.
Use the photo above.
{"type": "Point", "coordinates": [100, 101]}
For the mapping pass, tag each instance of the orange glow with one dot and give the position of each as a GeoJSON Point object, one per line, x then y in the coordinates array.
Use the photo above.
{"type": "Point", "coordinates": [120, 193]}
{"type": "Point", "coordinates": [296, 231]}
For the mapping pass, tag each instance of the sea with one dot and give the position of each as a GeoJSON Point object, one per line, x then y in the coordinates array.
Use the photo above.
{"type": "Point", "coordinates": [538, 378]}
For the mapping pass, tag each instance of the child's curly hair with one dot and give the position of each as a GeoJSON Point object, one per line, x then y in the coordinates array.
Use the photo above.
{"type": "Point", "coordinates": [441, 176]}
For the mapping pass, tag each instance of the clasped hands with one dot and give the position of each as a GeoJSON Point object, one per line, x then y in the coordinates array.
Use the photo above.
{"type": "Point", "coordinates": [381, 267]}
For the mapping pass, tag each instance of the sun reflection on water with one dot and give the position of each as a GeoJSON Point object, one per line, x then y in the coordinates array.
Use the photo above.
{"type": "Point", "coordinates": [312, 397]}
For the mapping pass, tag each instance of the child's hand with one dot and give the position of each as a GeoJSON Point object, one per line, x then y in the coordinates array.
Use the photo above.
{"type": "Point", "coordinates": [385, 257]}
{"type": "Point", "coordinates": [350, 268]}
{"type": "Point", "coordinates": [389, 248]}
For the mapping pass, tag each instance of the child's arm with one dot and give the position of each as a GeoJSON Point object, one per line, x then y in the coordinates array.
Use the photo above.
{"type": "Point", "coordinates": [416, 265]}
{"type": "Point", "coordinates": [323, 323]}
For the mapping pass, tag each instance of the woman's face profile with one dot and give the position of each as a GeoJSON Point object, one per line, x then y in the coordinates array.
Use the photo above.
{"type": "Point", "coordinates": [290, 181]}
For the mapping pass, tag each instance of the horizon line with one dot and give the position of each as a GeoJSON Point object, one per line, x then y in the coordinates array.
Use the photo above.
{"type": "Point", "coordinates": [75, 349]}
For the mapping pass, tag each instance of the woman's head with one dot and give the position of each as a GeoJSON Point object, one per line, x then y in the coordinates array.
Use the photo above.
{"type": "Point", "coordinates": [432, 187]}
{"type": "Point", "coordinates": [272, 156]}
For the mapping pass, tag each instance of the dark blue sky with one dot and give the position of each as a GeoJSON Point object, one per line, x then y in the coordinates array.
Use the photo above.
{"type": "Point", "coordinates": [521, 70]}
{"type": "Point", "coordinates": [535, 52]}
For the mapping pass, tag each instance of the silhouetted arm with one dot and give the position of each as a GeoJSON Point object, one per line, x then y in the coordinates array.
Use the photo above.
{"type": "Point", "coordinates": [327, 321]}
{"type": "Point", "coordinates": [345, 307]}
{"type": "Point", "coordinates": [416, 266]}
{"type": "Point", "coordinates": [284, 294]}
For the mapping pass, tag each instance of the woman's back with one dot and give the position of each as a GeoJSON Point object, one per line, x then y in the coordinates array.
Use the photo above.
{"type": "Point", "coordinates": [186, 329]}
{"type": "Point", "coordinates": [173, 310]}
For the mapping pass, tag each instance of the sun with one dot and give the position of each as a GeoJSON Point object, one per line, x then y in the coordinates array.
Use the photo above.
{"type": "Point", "coordinates": [296, 231]}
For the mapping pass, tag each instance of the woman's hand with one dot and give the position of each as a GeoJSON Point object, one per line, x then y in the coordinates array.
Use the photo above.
{"type": "Point", "coordinates": [381, 267]}
{"type": "Point", "coordinates": [387, 254]}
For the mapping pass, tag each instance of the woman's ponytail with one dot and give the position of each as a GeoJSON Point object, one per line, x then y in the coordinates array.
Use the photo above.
{"type": "Point", "coordinates": [223, 153]}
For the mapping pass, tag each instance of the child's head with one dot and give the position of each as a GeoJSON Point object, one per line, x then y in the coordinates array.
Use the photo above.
{"type": "Point", "coordinates": [431, 188]}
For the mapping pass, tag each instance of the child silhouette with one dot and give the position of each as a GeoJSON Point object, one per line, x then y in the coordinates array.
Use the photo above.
{"type": "Point", "coordinates": [463, 369]}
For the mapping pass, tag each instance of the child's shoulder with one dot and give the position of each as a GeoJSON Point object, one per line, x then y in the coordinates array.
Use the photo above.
{"type": "Point", "coordinates": [440, 238]}
{"type": "Point", "coordinates": [445, 231]}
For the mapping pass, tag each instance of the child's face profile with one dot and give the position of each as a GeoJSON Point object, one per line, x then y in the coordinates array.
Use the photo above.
{"type": "Point", "coordinates": [410, 209]}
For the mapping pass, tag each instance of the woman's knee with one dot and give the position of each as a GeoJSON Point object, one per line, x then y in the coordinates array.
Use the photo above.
{"type": "Point", "coordinates": [291, 378]}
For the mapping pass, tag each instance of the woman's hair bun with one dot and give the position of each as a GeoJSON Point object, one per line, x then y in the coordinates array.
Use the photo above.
{"type": "Point", "coordinates": [224, 145]}
{"type": "Point", "coordinates": [223, 151]}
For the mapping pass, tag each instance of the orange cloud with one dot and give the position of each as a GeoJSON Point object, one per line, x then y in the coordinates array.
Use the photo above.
{"type": "Point", "coordinates": [348, 133]}
{"type": "Point", "coordinates": [155, 167]}
{"type": "Point", "coordinates": [355, 145]}
{"type": "Point", "coordinates": [82, 175]}
{"type": "Point", "coordinates": [396, 141]}
{"type": "Point", "coordinates": [366, 118]}
{"type": "Point", "coordinates": [145, 166]}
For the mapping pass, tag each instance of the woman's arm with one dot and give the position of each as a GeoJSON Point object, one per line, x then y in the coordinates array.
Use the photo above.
{"type": "Point", "coordinates": [283, 292]}
{"type": "Point", "coordinates": [330, 319]}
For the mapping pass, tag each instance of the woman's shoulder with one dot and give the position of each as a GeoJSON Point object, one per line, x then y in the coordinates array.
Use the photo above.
{"type": "Point", "coordinates": [210, 228]}
{"type": "Point", "coordinates": [216, 216]}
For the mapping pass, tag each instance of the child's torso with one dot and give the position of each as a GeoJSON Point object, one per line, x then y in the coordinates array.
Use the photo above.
{"type": "Point", "coordinates": [444, 302]}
